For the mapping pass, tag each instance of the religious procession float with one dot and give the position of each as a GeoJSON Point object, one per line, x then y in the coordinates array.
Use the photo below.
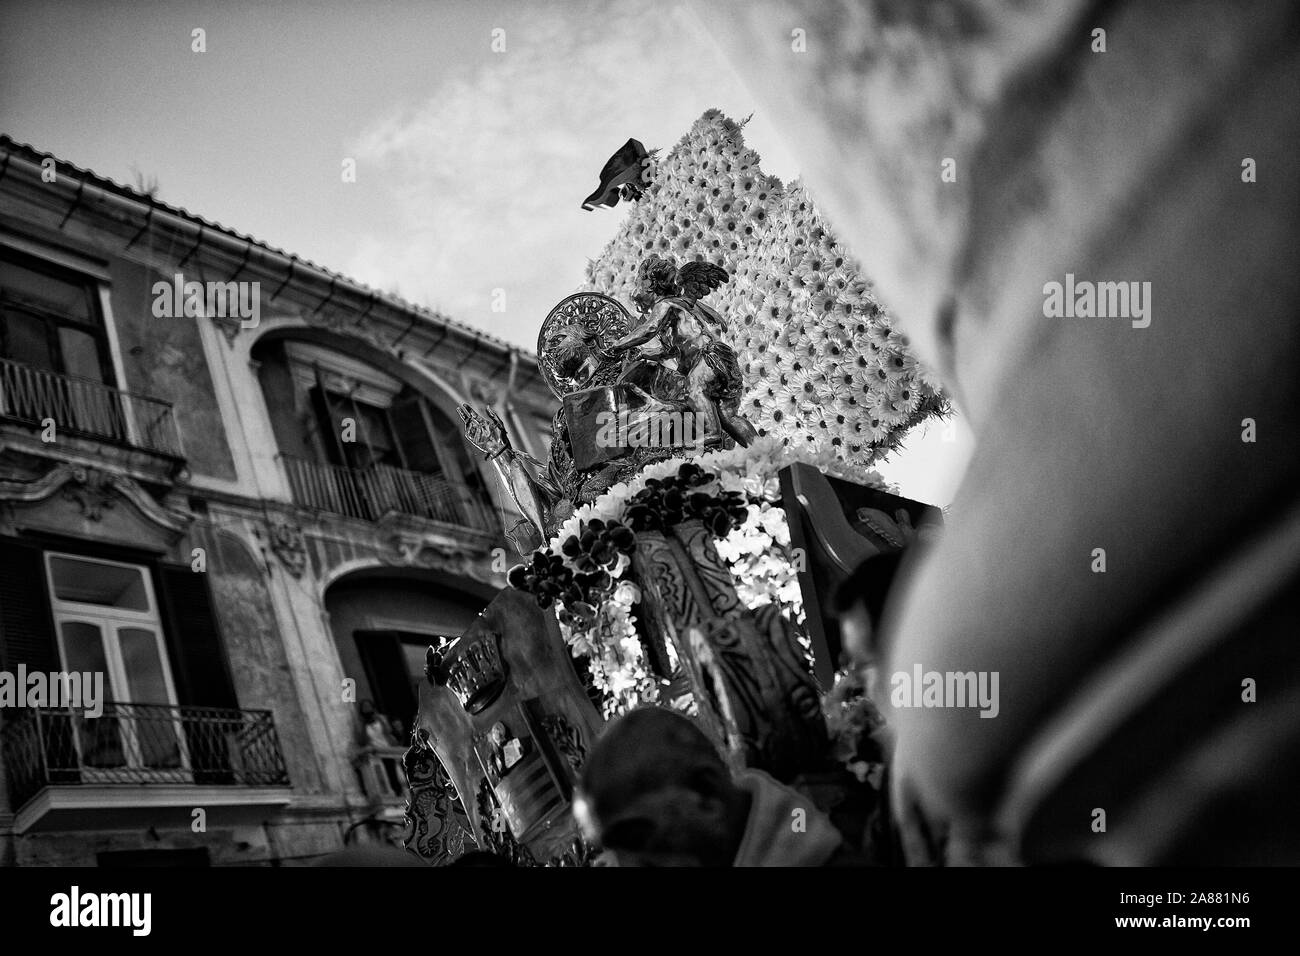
{"type": "Point", "coordinates": [726, 379]}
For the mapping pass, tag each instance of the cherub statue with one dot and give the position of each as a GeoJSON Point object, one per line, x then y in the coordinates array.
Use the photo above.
{"type": "Point", "coordinates": [680, 327]}
{"type": "Point", "coordinates": [526, 478]}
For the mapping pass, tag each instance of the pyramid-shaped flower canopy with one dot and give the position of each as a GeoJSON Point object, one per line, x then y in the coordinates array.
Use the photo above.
{"type": "Point", "coordinates": [824, 368]}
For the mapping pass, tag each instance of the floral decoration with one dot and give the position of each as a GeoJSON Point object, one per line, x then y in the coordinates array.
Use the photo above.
{"type": "Point", "coordinates": [581, 573]}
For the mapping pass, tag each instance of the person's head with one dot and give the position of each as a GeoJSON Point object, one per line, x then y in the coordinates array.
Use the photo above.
{"type": "Point", "coordinates": [367, 709]}
{"type": "Point", "coordinates": [860, 603]}
{"type": "Point", "coordinates": [656, 792]}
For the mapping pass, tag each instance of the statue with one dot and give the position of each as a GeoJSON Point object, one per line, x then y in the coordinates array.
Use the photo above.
{"type": "Point", "coordinates": [681, 328]}
{"type": "Point", "coordinates": [673, 365]}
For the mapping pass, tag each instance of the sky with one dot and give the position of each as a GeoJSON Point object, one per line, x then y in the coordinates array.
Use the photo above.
{"type": "Point", "coordinates": [471, 162]}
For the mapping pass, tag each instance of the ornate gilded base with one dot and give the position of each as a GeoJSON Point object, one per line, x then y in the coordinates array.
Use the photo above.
{"type": "Point", "coordinates": [503, 727]}
{"type": "Point", "coordinates": [437, 827]}
{"type": "Point", "coordinates": [745, 668]}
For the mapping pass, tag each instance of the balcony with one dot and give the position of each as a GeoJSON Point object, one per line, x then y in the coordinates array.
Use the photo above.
{"type": "Point", "coordinates": [87, 409]}
{"type": "Point", "coordinates": [137, 760]}
{"type": "Point", "coordinates": [372, 493]}
{"type": "Point", "coordinates": [382, 778]}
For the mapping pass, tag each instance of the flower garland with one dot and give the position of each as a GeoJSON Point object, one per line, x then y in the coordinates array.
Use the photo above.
{"type": "Point", "coordinates": [736, 493]}
{"type": "Point", "coordinates": [822, 365]}
{"type": "Point", "coordinates": [853, 722]}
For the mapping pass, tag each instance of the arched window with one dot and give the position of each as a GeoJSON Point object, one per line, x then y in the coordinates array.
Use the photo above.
{"type": "Point", "coordinates": [359, 441]}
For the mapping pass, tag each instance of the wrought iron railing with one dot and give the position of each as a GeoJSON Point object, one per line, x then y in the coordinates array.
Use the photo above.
{"type": "Point", "coordinates": [373, 492]}
{"type": "Point", "coordinates": [140, 745]}
{"type": "Point", "coordinates": [381, 774]}
{"type": "Point", "coordinates": [80, 406]}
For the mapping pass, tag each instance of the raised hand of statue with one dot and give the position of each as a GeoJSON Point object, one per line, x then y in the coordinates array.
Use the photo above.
{"type": "Point", "coordinates": [533, 494]}
{"type": "Point", "coordinates": [489, 437]}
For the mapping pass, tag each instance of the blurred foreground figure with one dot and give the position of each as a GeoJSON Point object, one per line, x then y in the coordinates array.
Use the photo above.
{"type": "Point", "coordinates": [1124, 552]}
{"type": "Point", "coordinates": [655, 792]}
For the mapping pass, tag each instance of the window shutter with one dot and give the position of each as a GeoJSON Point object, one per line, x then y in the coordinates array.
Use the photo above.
{"type": "Point", "coordinates": [412, 429]}
{"type": "Point", "coordinates": [200, 669]}
{"type": "Point", "coordinates": [199, 664]}
{"type": "Point", "coordinates": [328, 425]}
{"type": "Point", "coordinates": [27, 637]}
{"type": "Point", "coordinates": [26, 628]}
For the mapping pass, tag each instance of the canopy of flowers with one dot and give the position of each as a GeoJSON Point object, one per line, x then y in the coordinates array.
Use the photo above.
{"type": "Point", "coordinates": [823, 366]}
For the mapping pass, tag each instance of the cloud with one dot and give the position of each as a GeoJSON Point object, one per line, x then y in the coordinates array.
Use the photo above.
{"type": "Point", "coordinates": [487, 175]}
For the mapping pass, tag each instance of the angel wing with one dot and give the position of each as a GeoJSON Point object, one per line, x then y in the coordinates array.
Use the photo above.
{"type": "Point", "coordinates": [698, 279]}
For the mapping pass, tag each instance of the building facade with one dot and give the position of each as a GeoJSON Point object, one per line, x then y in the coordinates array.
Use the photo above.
{"type": "Point", "coordinates": [233, 485]}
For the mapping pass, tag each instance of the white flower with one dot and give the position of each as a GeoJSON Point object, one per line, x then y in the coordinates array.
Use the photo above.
{"type": "Point", "coordinates": [878, 334]}
{"type": "Point", "coordinates": [878, 429]}
{"type": "Point", "coordinates": [824, 305]}
{"type": "Point", "coordinates": [838, 333]}
{"type": "Point", "coordinates": [627, 594]}
{"type": "Point", "coordinates": [909, 399]}
{"type": "Point", "coordinates": [728, 550]}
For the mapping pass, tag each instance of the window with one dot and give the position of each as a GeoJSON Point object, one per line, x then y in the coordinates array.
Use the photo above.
{"type": "Point", "coordinates": [52, 329]}
{"type": "Point", "coordinates": [50, 319]}
{"type": "Point", "coordinates": [398, 452]}
{"type": "Point", "coordinates": [407, 433]}
{"type": "Point", "coordinates": [373, 442]}
{"type": "Point", "coordinates": [106, 621]}
{"type": "Point", "coordinates": [394, 666]}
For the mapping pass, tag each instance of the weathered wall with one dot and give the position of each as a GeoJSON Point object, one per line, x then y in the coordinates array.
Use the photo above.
{"type": "Point", "coordinates": [164, 358]}
{"type": "Point", "coordinates": [256, 652]}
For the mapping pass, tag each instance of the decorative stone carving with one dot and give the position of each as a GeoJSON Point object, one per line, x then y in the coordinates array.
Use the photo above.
{"type": "Point", "coordinates": [229, 326]}
{"type": "Point", "coordinates": [95, 492]}
{"type": "Point", "coordinates": [92, 489]}
{"type": "Point", "coordinates": [287, 542]}
{"type": "Point", "coordinates": [410, 547]}
{"type": "Point", "coordinates": [414, 549]}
